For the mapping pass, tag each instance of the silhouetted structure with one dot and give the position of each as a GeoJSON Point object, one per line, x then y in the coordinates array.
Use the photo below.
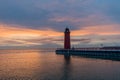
{"type": "Point", "coordinates": [67, 44]}
{"type": "Point", "coordinates": [112, 53]}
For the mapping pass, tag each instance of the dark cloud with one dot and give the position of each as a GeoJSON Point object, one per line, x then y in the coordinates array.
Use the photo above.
{"type": "Point", "coordinates": [38, 14]}
{"type": "Point", "coordinates": [81, 40]}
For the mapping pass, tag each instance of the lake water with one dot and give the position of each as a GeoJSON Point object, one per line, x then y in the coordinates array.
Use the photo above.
{"type": "Point", "coordinates": [46, 65]}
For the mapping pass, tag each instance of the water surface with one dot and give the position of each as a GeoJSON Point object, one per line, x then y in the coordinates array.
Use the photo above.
{"type": "Point", "coordinates": [46, 65]}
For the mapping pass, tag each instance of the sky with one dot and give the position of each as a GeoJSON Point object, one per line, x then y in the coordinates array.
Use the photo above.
{"type": "Point", "coordinates": [41, 23]}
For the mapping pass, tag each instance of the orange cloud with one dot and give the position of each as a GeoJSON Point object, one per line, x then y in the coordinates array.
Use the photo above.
{"type": "Point", "coordinates": [23, 36]}
{"type": "Point", "coordinates": [98, 30]}
{"type": "Point", "coordinates": [20, 36]}
{"type": "Point", "coordinates": [9, 31]}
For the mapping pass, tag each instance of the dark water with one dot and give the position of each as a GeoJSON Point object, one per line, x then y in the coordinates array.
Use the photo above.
{"type": "Point", "coordinates": [40, 65]}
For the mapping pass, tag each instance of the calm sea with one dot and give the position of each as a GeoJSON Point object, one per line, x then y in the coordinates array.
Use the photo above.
{"type": "Point", "coordinates": [46, 65]}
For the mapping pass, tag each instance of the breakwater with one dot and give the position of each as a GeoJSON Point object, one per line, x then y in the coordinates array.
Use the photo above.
{"type": "Point", "coordinates": [104, 54]}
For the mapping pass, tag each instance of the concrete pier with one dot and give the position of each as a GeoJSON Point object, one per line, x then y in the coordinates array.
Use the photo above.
{"type": "Point", "coordinates": [106, 54]}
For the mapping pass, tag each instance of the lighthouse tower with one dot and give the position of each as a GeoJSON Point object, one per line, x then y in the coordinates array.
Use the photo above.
{"type": "Point", "coordinates": [67, 44]}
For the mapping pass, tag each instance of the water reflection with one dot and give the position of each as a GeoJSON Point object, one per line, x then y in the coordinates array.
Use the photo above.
{"type": "Point", "coordinates": [18, 64]}
{"type": "Point", "coordinates": [67, 59]}
{"type": "Point", "coordinates": [37, 65]}
{"type": "Point", "coordinates": [67, 68]}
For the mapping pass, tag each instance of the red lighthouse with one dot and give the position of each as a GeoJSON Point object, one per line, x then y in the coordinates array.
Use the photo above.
{"type": "Point", "coordinates": [67, 44]}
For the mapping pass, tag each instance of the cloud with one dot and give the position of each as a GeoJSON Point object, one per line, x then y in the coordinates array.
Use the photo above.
{"type": "Point", "coordinates": [58, 14]}
{"type": "Point", "coordinates": [111, 29]}
{"type": "Point", "coordinates": [16, 36]}
{"type": "Point", "coordinates": [36, 22]}
{"type": "Point", "coordinates": [25, 36]}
